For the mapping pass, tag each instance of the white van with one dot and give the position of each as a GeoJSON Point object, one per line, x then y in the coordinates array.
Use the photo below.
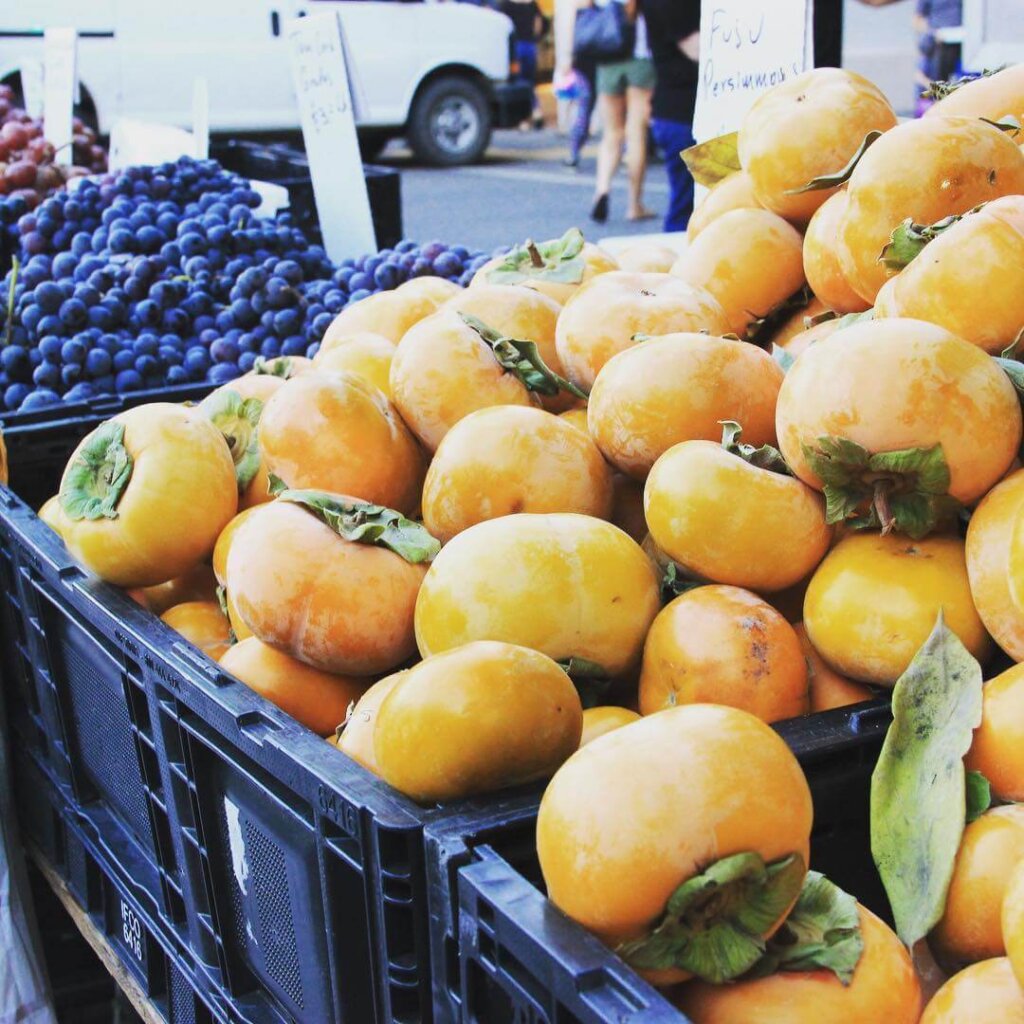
{"type": "Point", "coordinates": [437, 73]}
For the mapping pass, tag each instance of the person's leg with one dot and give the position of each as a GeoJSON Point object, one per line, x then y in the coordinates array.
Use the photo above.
{"type": "Point", "coordinates": [638, 118]}
{"type": "Point", "coordinates": [609, 155]}
{"type": "Point", "coordinates": [672, 138]}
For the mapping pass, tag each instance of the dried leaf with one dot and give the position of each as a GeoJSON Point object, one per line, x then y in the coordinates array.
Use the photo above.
{"type": "Point", "coordinates": [712, 161]}
{"type": "Point", "coordinates": [918, 788]}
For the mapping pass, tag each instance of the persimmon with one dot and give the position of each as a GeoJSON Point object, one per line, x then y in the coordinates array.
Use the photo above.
{"type": "Point", "coordinates": [884, 989]}
{"type": "Point", "coordinates": [1012, 921]}
{"type": "Point", "coordinates": [827, 688]}
{"type": "Point", "coordinates": [223, 546]}
{"type": "Point", "coordinates": [316, 699]}
{"type": "Point", "coordinates": [51, 512]}
{"type": "Point", "coordinates": [989, 549]}
{"type": "Point", "coordinates": [557, 267]}
{"type": "Point", "coordinates": [996, 97]}
{"type": "Point", "coordinates": [146, 494]}
{"type": "Point", "coordinates": [724, 519]}
{"type": "Point", "coordinates": [438, 289]}
{"type": "Point", "coordinates": [984, 993]}
{"type": "Point", "coordinates": [647, 258]}
{"type": "Point", "coordinates": [203, 624]}
{"type": "Point", "coordinates": [874, 600]}
{"type": "Point", "coordinates": [356, 739]}
{"type": "Point", "coordinates": [749, 260]}
{"type": "Point", "coordinates": [336, 432]}
{"type": "Point", "coordinates": [283, 367]}
{"type": "Point", "coordinates": [680, 388]}
{"type": "Point", "coordinates": [238, 625]}
{"type": "Point", "coordinates": [991, 847]}
{"type": "Point", "coordinates": [970, 279]}
{"type": "Point", "coordinates": [659, 803]}
{"type": "Point", "coordinates": [443, 370]}
{"type": "Point", "coordinates": [567, 585]}
{"type": "Point", "coordinates": [946, 411]}
{"type": "Point", "coordinates": [329, 580]}
{"type": "Point", "coordinates": [525, 314]}
{"type": "Point", "coordinates": [475, 719]}
{"type": "Point", "coordinates": [1016, 566]}
{"type": "Point", "coordinates": [389, 314]}
{"type": "Point", "coordinates": [723, 645]}
{"type": "Point", "coordinates": [821, 261]}
{"type": "Point", "coordinates": [577, 416]}
{"type": "Point", "coordinates": [808, 127]}
{"type": "Point", "coordinates": [607, 317]}
{"type": "Point", "coordinates": [509, 459]}
{"type": "Point", "coordinates": [198, 584]}
{"type": "Point", "coordinates": [601, 719]}
{"type": "Point", "coordinates": [252, 385]}
{"type": "Point", "coordinates": [924, 170]}
{"type": "Point", "coordinates": [805, 339]}
{"type": "Point", "coordinates": [236, 410]}
{"type": "Point", "coordinates": [736, 192]}
{"type": "Point", "coordinates": [364, 354]}
{"type": "Point", "coordinates": [997, 748]}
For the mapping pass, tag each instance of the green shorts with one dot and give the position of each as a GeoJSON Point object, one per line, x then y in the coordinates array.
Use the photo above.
{"type": "Point", "coordinates": [636, 73]}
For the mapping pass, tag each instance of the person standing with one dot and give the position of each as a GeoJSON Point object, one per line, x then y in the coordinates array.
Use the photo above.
{"type": "Point", "coordinates": [528, 27]}
{"type": "Point", "coordinates": [624, 89]}
{"type": "Point", "coordinates": [673, 28]}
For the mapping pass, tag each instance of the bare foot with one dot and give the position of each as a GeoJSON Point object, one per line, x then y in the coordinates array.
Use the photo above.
{"type": "Point", "coordinates": [641, 213]}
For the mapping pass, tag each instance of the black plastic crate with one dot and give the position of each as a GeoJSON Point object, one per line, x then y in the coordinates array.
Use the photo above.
{"type": "Point", "coordinates": [115, 897]}
{"type": "Point", "coordinates": [284, 165]}
{"type": "Point", "coordinates": [296, 878]}
{"type": "Point", "coordinates": [502, 952]}
{"type": "Point", "coordinates": [298, 881]}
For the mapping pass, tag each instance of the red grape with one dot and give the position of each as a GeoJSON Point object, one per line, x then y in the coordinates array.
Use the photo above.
{"type": "Point", "coordinates": [15, 135]}
{"type": "Point", "coordinates": [21, 174]}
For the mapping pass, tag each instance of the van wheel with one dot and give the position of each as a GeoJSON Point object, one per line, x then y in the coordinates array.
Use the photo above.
{"type": "Point", "coordinates": [450, 123]}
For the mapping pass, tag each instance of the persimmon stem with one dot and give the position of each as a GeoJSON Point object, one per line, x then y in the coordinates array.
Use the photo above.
{"type": "Point", "coordinates": [882, 507]}
{"type": "Point", "coordinates": [535, 257]}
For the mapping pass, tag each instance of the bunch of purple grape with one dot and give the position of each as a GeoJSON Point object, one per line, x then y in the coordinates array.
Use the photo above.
{"type": "Point", "coordinates": [164, 275]}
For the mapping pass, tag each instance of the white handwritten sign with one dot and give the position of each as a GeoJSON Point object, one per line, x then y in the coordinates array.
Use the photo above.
{"type": "Point", "coordinates": [32, 86]}
{"type": "Point", "coordinates": [59, 76]}
{"type": "Point", "coordinates": [746, 47]}
{"type": "Point", "coordinates": [317, 48]}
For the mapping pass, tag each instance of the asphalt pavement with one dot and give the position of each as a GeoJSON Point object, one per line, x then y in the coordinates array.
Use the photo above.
{"type": "Point", "coordinates": [521, 190]}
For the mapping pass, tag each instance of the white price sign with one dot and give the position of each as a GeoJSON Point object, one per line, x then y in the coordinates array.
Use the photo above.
{"type": "Point", "coordinates": [32, 86]}
{"type": "Point", "coordinates": [59, 76]}
{"type": "Point", "coordinates": [746, 48]}
{"type": "Point", "coordinates": [322, 87]}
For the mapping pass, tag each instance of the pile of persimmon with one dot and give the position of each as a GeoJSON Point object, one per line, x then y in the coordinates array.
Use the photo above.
{"type": "Point", "coordinates": [603, 520]}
